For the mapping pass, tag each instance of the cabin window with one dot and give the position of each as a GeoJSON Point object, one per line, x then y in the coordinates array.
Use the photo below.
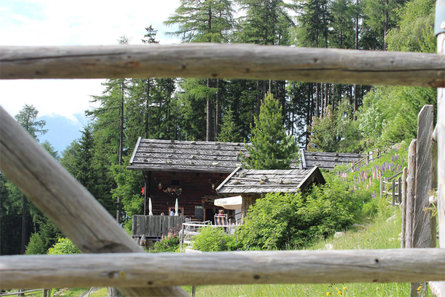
{"type": "Point", "coordinates": [199, 212]}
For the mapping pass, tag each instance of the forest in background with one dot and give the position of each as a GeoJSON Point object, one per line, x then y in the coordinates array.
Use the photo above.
{"type": "Point", "coordinates": [321, 116]}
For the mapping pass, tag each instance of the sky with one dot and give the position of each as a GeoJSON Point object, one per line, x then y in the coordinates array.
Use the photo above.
{"type": "Point", "coordinates": [69, 22]}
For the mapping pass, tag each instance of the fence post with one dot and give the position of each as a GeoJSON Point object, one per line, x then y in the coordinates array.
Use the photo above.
{"type": "Point", "coordinates": [403, 204]}
{"type": "Point", "coordinates": [399, 190]}
{"type": "Point", "coordinates": [393, 191]}
{"type": "Point", "coordinates": [410, 192]}
{"type": "Point", "coordinates": [424, 172]}
{"type": "Point", "coordinates": [439, 287]}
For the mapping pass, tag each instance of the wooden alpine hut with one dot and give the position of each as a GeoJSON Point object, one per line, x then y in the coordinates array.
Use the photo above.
{"type": "Point", "coordinates": [184, 172]}
{"type": "Point", "coordinates": [252, 184]}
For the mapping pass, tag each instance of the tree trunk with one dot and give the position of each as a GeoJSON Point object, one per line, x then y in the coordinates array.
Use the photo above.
{"type": "Point", "coordinates": [317, 101]}
{"type": "Point", "coordinates": [208, 113]}
{"type": "Point", "coordinates": [121, 145]}
{"type": "Point", "coordinates": [215, 130]}
{"type": "Point", "coordinates": [23, 237]}
{"type": "Point", "coordinates": [147, 105]}
{"type": "Point", "coordinates": [386, 25]}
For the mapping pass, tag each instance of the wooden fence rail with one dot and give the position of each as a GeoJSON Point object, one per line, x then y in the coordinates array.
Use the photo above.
{"type": "Point", "coordinates": [170, 269]}
{"type": "Point", "coordinates": [243, 61]}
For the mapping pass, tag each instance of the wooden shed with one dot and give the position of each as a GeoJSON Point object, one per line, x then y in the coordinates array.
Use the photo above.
{"type": "Point", "coordinates": [253, 184]}
{"type": "Point", "coordinates": [187, 170]}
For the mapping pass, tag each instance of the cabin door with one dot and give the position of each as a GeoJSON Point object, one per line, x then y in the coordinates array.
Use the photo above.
{"type": "Point", "coordinates": [210, 215]}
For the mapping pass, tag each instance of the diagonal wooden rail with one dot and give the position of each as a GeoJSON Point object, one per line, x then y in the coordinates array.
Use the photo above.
{"type": "Point", "coordinates": [243, 61]}
{"type": "Point", "coordinates": [64, 200]}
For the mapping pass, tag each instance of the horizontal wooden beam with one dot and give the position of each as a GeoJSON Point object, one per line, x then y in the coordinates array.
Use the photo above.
{"type": "Point", "coordinates": [224, 61]}
{"type": "Point", "coordinates": [152, 270]}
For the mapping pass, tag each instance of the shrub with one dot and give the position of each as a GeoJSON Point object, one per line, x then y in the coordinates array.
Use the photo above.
{"type": "Point", "coordinates": [63, 246]}
{"type": "Point", "coordinates": [213, 240]}
{"type": "Point", "coordinates": [170, 243]}
{"type": "Point", "coordinates": [283, 221]}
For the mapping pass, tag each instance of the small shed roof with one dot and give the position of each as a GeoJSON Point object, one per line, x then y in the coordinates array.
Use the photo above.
{"type": "Point", "coordinates": [256, 182]}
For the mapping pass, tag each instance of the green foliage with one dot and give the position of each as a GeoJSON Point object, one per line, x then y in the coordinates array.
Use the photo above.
{"type": "Point", "coordinates": [415, 31]}
{"type": "Point", "coordinates": [283, 221]}
{"type": "Point", "coordinates": [63, 246]}
{"type": "Point", "coordinates": [35, 245]}
{"type": "Point", "coordinates": [128, 185]}
{"type": "Point", "coordinates": [271, 147]}
{"type": "Point", "coordinates": [229, 131]}
{"type": "Point", "coordinates": [167, 244]}
{"type": "Point", "coordinates": [389, 114]}
{"type": "Point", "coordinates": [264, 22]}
{"type": "Point", "coordinates": [213, 240]}
{"type": "Point", "coordinates": [202, 20]}
{"type": "Point", "coordinates": [27, 118]}
{"type": "Point", "coordinates": [336, 131]}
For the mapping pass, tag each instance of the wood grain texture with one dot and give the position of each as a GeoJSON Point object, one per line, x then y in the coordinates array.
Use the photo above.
{"type": "Point", "coordinates": [441, 160]}
{"type": "Point", "coordinates": [424, 173]}
{"type": "Point", "coordinates": [62, 199]}
{"type": "Point", "coordinates": [403, 204]}
{"type": "Point", "coordinates": [224, 61]}
{"type": "Point", "coordinates": [410, 193]}
{"type": "Point", "coordinates": [173, 269]}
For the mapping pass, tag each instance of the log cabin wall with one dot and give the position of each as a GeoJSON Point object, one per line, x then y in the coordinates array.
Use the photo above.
{"type": "Point", "coordinates": [197, 192]}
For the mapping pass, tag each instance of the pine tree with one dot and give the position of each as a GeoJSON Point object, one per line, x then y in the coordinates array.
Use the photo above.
{"type": "Point", "coordinates": [271, 147]}
{"type": "Point", "coordinates": [229, 132]}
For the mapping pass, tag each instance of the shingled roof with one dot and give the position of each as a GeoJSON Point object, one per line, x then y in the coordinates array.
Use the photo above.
{"type": "Point", "coordinates": [174, 155]}
{"type": "Point", "coordinates": [327, 160]}
{"type": "Point", "coordinates": [257, 182]}
{"type": "Point", "coordinates": [210, 156]}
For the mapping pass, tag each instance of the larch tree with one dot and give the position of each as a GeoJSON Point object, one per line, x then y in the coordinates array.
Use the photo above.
{"type": "Point", "coordinates": [205, 21]}
{"type": "Point", "coordinates": [27, 118]}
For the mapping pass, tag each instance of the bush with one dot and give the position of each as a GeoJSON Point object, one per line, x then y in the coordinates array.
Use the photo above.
{"type": "Point", "coordinates": [283, 221]}
{"type": "Point", "coordinates": [63, 246]}
{"type": "Point", "coordinates": [213, 240]}
{"type": "Point", "coordinates": [167, 244]}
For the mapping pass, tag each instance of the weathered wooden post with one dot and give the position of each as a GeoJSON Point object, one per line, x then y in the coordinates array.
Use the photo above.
{"type": "Point", "coordinates": [439, 287]}
{"type": "Point", "coordinates": [410, 193]}
{"type": "Point", "coordinates": [424, 173]}
{"type": "Point", "coordinates": [399, 190]}
{"type": "Point", "coordinates": [393, 191]}
{"type": "Point", "coordinates": [403, 203]}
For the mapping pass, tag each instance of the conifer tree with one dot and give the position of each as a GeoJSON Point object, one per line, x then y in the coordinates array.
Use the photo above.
{"type": "Point", "coordinates": [271, 147]}
{"type": "Point", "coordinates": [229, 132]}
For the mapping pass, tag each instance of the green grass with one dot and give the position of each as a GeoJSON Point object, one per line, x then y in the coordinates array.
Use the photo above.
{"type": "Point", "coordinates": [383, 233]}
